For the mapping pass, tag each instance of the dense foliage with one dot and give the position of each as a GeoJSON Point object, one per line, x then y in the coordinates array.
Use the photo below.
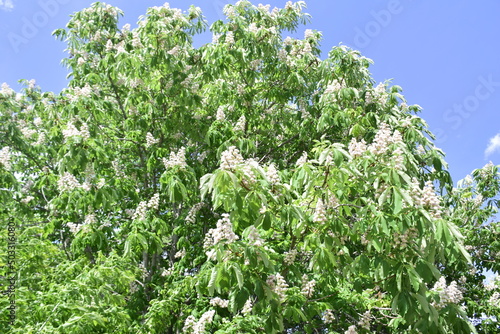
{"type": "Point", "coordinates": [245, 186]}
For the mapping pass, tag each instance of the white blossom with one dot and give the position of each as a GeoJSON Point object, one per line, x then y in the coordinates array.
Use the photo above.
{"type": "Point", "coordinates": [220, 116]}
{"type": "Point", "coordinates": [247, 308]}
{"type": "Point", "coordinates": [109, 45]}
{"type": "Point", "coordinates": [154, 202]}
{"type": "Point", "coordinates": [382, 140]}
{"type": "Point", "coordinates": [223, 303]}
{"type": "Point", "coordinates": [351, 330]}
{"type": "Point", "coordinates": [150, 140]}
{"type": "Point", "coordinates": [230, 37]}
{"type": "Point", "coordinates": [290, 257]}
{"type": "Point", "coordinates": [5, 157]}
{"type": "Point", "coordinates": [328, 317]}
{"type": "Point", "coordinates": [240, 125]}
{"type": "Point", "coordinates": [90, 218]}
{"type": "Point", "coordinates": [278, 284]}
{"type": "Point", "coordinates": [230, 158]}
{"type": "Point", "coordinates": [198, 327]}
{"type": "Point", "coordinates": [180, 254]}
{"type": "Point", "coordinates": [140, 211]}
{"type": "Point", "coordinates": [307, 287]}
{"type": "Point", "coordinates": [357, 149]}
{"type": "Point", "coordinates": [190, 218]}
{"type": "Point", "coordinates": [229, 11]}
{"type": "Point", "coordinates": [222, 233]}
{"type": "Point", "coordinates": [364, 322]}
{"type": "Point", "coordinates": [71, 131]}
{"type": "Point", "coordinates": [253, 28]}
{"type": "Point", "coordinates": [254, 237]}
{"type": "Point", "coordinates": [176, 159]}
{"type": "Point", "coordinates": [494, 299]}
{"type": "Point", "coordinates": [6, 90]}
{"type": "Point", "coordinates": [174, 51]}
{"type": "Point", "coordinates": [67, 182]}
{"type": "Point", "coordinates": [450, 294]}
{"type": "Point", "coordinates": [320, 212]}
{"type": "Point", "coordinates": [309, 33]}
{"type": "Point", "coordinates": [27, 199]}
{"type": "Point", "coordinates": [74, 228]}
{"type": "Point", "coordinates": [302, 160]}
{"type": "Point", "coordinates": [272, 174]}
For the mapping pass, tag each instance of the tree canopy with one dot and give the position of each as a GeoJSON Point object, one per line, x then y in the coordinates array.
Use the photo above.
{"type": "Point", "coordinates": [244, 186]}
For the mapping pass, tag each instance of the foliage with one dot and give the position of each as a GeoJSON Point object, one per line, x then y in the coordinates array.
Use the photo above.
{"type": "Point", "coordinates": [245, 186]}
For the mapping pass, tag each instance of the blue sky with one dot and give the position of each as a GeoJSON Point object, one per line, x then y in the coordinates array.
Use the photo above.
{"type": "Point", "coordinates": [444, 54]}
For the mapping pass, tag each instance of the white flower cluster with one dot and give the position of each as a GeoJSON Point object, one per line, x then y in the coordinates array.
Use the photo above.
{"type": "Point", "coordinates": [383, 139]}
{"type": "Point", "coordinates": [223, 303]}
{"type": "Point", "coordinates": [41, 139]}
{"type": "Point", "coordinates": [6, 90]}
{"type": "Point", "coordinates": [27, 199]}
{"type": "Point", "coordinates": [253, 28]}
{"type": "Point", "coordinates": [319, 212]}
{"type": "Point", "coordinates": [223, 233]}
{"type": "Point", "coordinates": [198, 327]}
{"type": "Point", "coordinates": [398, 158]}
{"type": "Point", "coordinates": [27, 132]}
{"type": "Point", "coordinates": [401, 240]}
{"type": "Point", "coordinates": [307, 287]}
{"type": "Point", "coordinates": [426, 197]}
{"type": "Point", "coordinates": [357, 149]}
{"type": "Point", "coordinates": [230, 158]}
{"type": "Point", "coordinates": [254, 64]}
{"type": "Point", "coordinates": [74, 228]}
{"type": "Point", "coordinates": [278, 284]}
{"type": "Point", "coordinates": [272, 174]}
{"type": "Point", "coordinates": [220, 115]}
{"type": "Point", "coordinates": [364, 322]}
{"type": "Point", "coordinates": [142, 208]}
{"type": "Point", "coordinates": [178, 159]}
{"type": "Point", "coordinates": [136, 41]}
{"type": "Point", "coordinates": [180, 254]}
{"type": "Point", "coordinates": [140, 211]}
{"type": "Point", "coordinates": [333, 87]}
{"type": "Point", "coordinates": [191, 216]}
{"type": "Point", "coordinates": [254, 237]}
{"type": "Point", "coordinates": [450, 294]}
{"type": "Point", "coordinates": [247, 308]}
{"type": "Point", "coordinates": [290, 257]}
{"type": "Point", "coordinates": [154, 202]}
{"type": "Point", "coordinates": [150, 140]}
{"type": "Point", "coordinates": [494, 299]}
{"type": "Point", "coordinates": [302, 160]}
{"type": "Point", "coordinates": [167, 272]}
{"type": "Point", "coordinates": [116, 167]}
{"type": "Point", "coordinates": [174, 51]}
{"type": "Point", "coordinates": [229, 11]}
{"type": "Point", "coordinates": [5, 157]}
{"type": "Point", "coordinates": [77, 92]}
{"type": "Point", "coordinates": [229, 37]}
{"type": "Point", "coordinates": [351, 330]}
{"type": "Point", "coordinates": [90, 218]}
{"type": "Point", "coordinates": [328, 317]}
{"type": "Point", "coordinates": [68, 182]}
{"type": "Point", "coordinates": [378, 95]}
{"type": "Point", "coordinates": [240, 125]}
{"type": "Point", "coordinates": [71, 131]}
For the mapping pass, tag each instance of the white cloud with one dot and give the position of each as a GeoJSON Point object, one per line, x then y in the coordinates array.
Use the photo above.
{"type": "Point", "coordinates": [7, 5]}
{"type": "Point", "coordinates": [493, 146]}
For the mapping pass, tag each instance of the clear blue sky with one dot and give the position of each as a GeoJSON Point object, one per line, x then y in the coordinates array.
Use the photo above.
{"type": "Point", "coordinates": [444, 54]}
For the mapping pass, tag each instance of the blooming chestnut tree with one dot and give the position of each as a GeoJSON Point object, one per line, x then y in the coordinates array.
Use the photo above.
{"type": "Point", "coordinates": [245, 186]}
